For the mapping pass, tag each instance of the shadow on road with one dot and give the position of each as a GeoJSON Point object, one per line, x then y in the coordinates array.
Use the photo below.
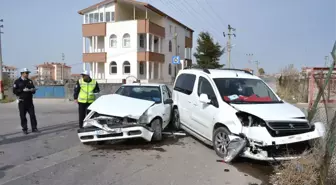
{"type": "Point", "coordinates": [44, 131]}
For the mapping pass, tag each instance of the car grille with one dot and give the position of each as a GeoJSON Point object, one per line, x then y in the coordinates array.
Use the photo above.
{"type": "Point", "coordinates": [286, 150]}
{"type": "Point", "coordinates": [288, 125]}
{"type": "Point", "coordinates": [280, 129]}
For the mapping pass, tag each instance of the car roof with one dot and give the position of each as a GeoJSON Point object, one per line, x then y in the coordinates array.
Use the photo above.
{"type": "Point", "coordinates": [221, 73]}
{"type": "Point", "coordinates": [144, 84]}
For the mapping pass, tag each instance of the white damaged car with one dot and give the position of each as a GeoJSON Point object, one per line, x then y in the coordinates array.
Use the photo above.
{"type": "Point", "coordinates": [238, 114]}
{"type": "Point", "coordinates": [133, 111]}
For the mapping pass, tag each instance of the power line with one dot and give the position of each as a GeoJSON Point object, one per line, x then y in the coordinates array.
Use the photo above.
{"type": "Point", "coordinates": [213, 11]}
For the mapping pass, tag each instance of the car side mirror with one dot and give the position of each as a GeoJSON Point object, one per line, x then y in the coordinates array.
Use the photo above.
{"type": "Point", "coordinates": [168, 101]}
{"type": "Point", "coordinates": [204, 99]}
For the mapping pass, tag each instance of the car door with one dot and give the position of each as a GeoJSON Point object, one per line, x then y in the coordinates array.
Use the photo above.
{"type": "Point", "coordinates": [182, 95]}
{"type": "Point", "coordinates": [203, 114]}
{"type": "Point", "coordinates": [167, 107]}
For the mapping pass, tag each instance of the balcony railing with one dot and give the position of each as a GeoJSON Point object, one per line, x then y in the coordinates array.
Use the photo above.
{"type": "Point", "coordinates": [94, 29]}
{"type": "Point", "coordinates": [146, 26]}
{"type": "Point", "coordinates": [94, 57]}
{"type": "Point", "coordinates": [150, 56]}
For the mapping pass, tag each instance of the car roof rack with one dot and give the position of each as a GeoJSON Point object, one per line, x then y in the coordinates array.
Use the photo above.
{"type": "Point", "coordinates": [203, 69]}
{"type": "Point", "coordinates": [242, 70]}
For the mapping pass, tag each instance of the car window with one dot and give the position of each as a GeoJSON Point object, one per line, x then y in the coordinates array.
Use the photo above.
{"type": "Point", "coordinates": [151, 93]}
{"type": "Point", "coordinates": [185, 83]}
{"type": "Point", "coordinates": [240, 90]}
{"type": "Point", "coordinates": [204, 87]}
{"type": "Point", "coordinates": [165, 93]}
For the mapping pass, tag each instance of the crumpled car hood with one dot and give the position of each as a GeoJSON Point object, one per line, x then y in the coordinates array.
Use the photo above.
{"type": "Point", "coordinates": [268, 112]}
{"type": "Point", "coordinates": [120, 106]}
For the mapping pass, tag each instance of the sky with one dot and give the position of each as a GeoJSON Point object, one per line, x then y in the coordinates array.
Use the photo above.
{"type": "Point", "coordinates": [276, 32]}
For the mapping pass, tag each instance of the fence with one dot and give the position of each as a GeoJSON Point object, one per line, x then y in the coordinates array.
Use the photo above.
{"type": "Point", "coordinates": [50, 91]}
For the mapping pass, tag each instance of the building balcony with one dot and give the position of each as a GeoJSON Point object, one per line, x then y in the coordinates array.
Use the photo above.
{"type": "Point", "coordinates": [94, 57]}
{"type": "Point", "coordinates": [150, 56]}
{"type": "Point", "coordinates": [94, 29]}
{"type": "Point", "coordinates": [146, 26]}
{"type": "Point", "coordinates": [188, 42]}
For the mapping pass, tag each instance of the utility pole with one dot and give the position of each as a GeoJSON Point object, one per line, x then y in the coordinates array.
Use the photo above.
{"type": "Point", "coordinates": [326, 63]}
{"type": "Point", "coordinates": [229, 43]}
{"type": "Point", "coordinates": [249, 55]}
{"type": "Point", "coordinates": [62, 67]}
{"type": "Point", "coordinates": [257, 64]}
{"type": "Point", "coordinates": [1, 84]}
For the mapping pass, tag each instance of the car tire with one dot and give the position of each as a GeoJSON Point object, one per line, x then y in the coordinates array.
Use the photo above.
{"type": "Point", "coordinates": [220, 141]}
{"type": "Point", "coordinates": [176, 119]}
{"type": "Point", "coordinates": [157, 128]}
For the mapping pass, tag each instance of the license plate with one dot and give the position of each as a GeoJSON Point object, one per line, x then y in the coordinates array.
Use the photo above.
{"type": "Point", "coordinates": [103, 132]}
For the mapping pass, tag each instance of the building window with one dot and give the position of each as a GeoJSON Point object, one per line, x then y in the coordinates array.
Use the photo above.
{"type": "Point", "coordinates": [108, 16]}
{"type": "Point", "coordinates": [101, 17]}
{"type": "Point", "coordinates": [127, 67]}
{"type": "Point", "coordinates": [170, 46]}
{"type": "Point", "coordinates": [175, 29]}
{"type": "Point", "coordinates": [169, 69]}
{"type": "Point", "coordinates": [170, 28]}
{"type": "Point", "coordinates": [91, 18]}
{"type": "Point", "coordinates": [113, 41]}
{"type": "Point", "coordinates": [142, 68]}
{"type": "Point", "coordinates": [142, 40]}
{"type": "Point", "coordinates": [96, 17]}
{"type": "Point", "coordinates": [113, 68]}
{"type": "Point", "coordinates": [86, 19]}
{"type": "Point", "coordinates": [112, 17]}
{"type": "Point", "coordinates": [126, 40]}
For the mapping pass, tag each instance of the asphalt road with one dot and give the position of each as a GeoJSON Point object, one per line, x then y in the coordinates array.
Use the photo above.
{"type": "Point", "coordinates": [56, 157]}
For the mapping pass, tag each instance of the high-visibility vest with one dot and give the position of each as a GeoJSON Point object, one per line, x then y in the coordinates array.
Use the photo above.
{"type": "Point", "coordinates": [86, 91]}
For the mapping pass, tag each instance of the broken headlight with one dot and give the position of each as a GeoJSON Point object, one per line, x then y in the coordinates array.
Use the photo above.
{"type": "Point", "coordinates": [143, 118]}
{"type": "Point", "coordinates": [249, 120]}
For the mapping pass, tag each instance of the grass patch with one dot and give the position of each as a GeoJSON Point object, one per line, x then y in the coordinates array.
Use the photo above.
{"type": "Point", "coordinates": [7, 100]}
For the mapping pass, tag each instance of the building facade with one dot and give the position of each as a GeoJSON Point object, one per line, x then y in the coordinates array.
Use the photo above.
{"type": "Point", "coordinates": [10, 71]}
{"type": "Point", "coordinates": [56, 72]}
{"type": "Point", "coordinates": [123, 38]}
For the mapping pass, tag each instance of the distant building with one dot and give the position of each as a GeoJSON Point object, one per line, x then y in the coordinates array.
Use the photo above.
{"type": "Point", "coordinates": [123, 38]}
{"type": "Point", "coordinates": [75, 76]}
{"type": "Point", "coordinates": [9, 71]}
{"type": "Point", "coordinates": [57, 72]}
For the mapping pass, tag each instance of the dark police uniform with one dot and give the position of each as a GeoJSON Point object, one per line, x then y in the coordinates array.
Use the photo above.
{"type": "Point", "coordinates": [83, 94]}
{"type": "Point", "coordinates": [25, 102]}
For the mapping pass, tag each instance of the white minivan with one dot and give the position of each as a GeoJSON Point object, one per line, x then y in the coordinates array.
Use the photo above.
{"type": "Point", "coordinates": [221, 105]}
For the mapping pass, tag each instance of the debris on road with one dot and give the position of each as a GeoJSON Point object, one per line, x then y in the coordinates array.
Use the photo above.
{"type": "Point", "coordinates": [175, 133]}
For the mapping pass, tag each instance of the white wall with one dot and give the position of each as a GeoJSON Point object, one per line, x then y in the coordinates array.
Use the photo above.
{"type": "Point", "coordinates": [120, 54]}
{"type": "Point", "coordinates": [165, 47]}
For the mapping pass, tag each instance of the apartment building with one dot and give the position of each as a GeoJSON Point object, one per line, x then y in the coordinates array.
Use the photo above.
{"type": "Point", "coordinates": [53, 71]}
{"type": "Point", "coordinates": [9, 71]}
{"type": "Point", "coordinates": [123, 38]}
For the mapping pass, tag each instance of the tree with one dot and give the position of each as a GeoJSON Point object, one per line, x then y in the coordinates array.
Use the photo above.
{"type": "Point", "coordinates": [261, 71]}
{"type": "Point", "coordinates": [207, 52]}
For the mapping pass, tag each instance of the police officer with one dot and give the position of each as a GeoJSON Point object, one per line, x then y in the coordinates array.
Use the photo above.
{"type": "Point", "coordinates": [24, 89]}
{"type": "Point", "coordinates": [84, 94]}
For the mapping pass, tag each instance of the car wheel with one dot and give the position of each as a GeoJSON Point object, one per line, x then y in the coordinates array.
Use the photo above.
{"type": "Point", "coordinates": [176, 119]}
{"type": "Point", "coordinates": [220, 141]}
{"type": "Point", "coordinates": [157, 127]}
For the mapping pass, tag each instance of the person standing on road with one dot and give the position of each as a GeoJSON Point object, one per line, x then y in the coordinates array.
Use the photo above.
{"type": "Point", "coordinates": [24, 89]}
{"type": "Point", "coordinates": [84, 94]}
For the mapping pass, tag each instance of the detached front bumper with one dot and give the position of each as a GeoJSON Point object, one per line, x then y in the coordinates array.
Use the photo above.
{"type": "Point", "coordinates": [91, 134]}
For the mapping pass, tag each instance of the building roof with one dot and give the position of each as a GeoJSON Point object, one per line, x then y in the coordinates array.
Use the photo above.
{"type": "Point", "coordinates": [52, 65]}
{"type": "Point", "coordinates": [147, 5]}
{"type": "Point", "coordinates": [9, 67]}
